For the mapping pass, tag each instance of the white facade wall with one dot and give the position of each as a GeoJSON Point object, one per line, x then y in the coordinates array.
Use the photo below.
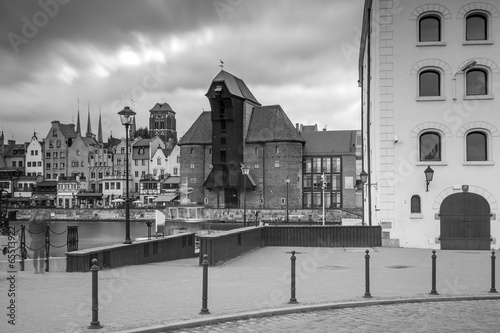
{"type": "Point", "coordinates": [34, 158]}
{"type": "Point", "coordinates": [397, 113]}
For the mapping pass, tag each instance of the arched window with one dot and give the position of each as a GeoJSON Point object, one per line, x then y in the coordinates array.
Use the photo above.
{"type": "Point", "coordinates": [429, 29]}
{"type": "Point", "coordinates": [477, 82]}
{"type": "Point", "coordinates": [429, 83]}
{"type": "Point", "coordinates": [430, 146]}
{"type": "Point", "coordinates": [477, 146]}
{"type": "Point", "coordinates": [476, 27]}
{"type": "Point", "coordinates": [415, 204]}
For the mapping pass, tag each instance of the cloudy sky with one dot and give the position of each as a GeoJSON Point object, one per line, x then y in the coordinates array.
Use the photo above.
{"type": "Point", "coordinates": [53, 53]}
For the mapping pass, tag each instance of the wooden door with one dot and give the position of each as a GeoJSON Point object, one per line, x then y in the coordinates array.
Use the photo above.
{"type": "Point", "coordinates": [465, 222]}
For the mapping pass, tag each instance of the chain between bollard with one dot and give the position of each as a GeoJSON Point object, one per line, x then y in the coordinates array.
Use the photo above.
{"type": "Point", "coordinates": [204, 297]}
{"type": "Point", "coordinates": [94, 324]}
{"type": "Point", "coordinates": [293, 300]}
{"type": "Point", "coordinates": [367, 276]}
{"type": "Point", "coordinates": [433, 290]}
{"type": "Point", "coordinates": [493, 289]}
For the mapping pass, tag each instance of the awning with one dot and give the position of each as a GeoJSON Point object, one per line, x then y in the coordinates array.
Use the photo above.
{"type": "Point", "coordinates": [89, 194]}
{"type": "Point", "coordinates": [250, 182]}
{"type": "Point", "coordinates": [214, 179]}
{"type": "Point", "coordinates": [17, 199]}
{"type": "Point", "coordinates": [172, 180]}
{"type": "Point", "coordinates": [166, 197]}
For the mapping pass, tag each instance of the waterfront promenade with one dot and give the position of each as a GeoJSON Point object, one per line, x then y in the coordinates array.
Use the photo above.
{"type": "Point", "coordinates": [135, 298]}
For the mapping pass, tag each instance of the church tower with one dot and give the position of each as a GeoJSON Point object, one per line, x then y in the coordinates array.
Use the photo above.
{"type": "Point", "coordinates": [162, 122]}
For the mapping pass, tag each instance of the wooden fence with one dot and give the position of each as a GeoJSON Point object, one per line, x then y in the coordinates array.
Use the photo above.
{"type": "Point", "coordinates": [323, 236]}
{"type": "Point", "coordinates": [141, 252]}
{"type": "Point", "coordinates": [226, 245]}
{"type": "Point", "coordinates": [222, 247]}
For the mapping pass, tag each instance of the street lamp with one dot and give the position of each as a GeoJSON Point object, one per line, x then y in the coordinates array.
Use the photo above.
{"type": "Point", "coordinates": [245, 170]}
{"type": "Point", "coordinates": [287, 181]}
{"type": "Point", "coordinates": [429, 173]}
{"type": "Point", "coordinates": [127, 118]}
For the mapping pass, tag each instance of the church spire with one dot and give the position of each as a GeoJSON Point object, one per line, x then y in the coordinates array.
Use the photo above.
{"type": "Point", "coordinates": [99, 130]}
{"type": "Point", "coordinates": [78, 130]}
{"type": "Point", "coordinates": [89, 127]}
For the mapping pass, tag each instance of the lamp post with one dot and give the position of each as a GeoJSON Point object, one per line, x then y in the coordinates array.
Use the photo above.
{"type": "Point", "coordinates": [287, 181]}
{"type": "Point", "coordinates": [429, 173]}
{"type": "Point", "coordinates": [127, 118]}
{"type": "Point", "coordinates": [245, 170]}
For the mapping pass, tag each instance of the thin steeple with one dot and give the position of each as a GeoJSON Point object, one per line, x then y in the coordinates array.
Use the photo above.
{"type": "Point", "coordinates": [99, 130]}
{"type": "Point", "coordinates": [89, 127]}
{"type": "Point", "coordinates": [78, 130]}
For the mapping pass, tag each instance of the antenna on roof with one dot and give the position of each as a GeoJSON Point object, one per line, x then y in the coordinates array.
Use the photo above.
{"type": "Point", "coordinates": [221, 64]}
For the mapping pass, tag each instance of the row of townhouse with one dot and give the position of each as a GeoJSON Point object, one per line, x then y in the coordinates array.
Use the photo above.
{"type": "Point", "coordinates": [68, 169]}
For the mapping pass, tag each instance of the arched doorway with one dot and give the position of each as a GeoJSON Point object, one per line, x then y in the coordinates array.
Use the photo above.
{"type": "Point", "coordinates": [465, 222]}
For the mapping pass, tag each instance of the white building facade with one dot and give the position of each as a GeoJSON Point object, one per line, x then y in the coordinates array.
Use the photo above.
{"type": "Point", "coordinates": [429, 74]}
{"type": "Point", "coordinates": [34, 158]}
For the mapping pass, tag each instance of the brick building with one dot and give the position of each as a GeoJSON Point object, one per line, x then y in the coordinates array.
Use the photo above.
{"type": "Point", "coordinates": [239, 131]}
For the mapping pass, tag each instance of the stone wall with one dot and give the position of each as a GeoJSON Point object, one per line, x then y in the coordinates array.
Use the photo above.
{"type": "Point", "coordinates": [265, 215]}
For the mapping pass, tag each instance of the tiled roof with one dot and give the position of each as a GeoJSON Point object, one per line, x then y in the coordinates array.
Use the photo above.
{"type": "Point", "coordinates": [142, 143]}
{"type": "Point", "coordinates": [67, 131]}
{"type": "Point", "coordinates": [200, 132]}
{"type": "Point", "coordinates": [18, 147]}
{"type": "Point", "coordinates": [235, 85]}
{"type": "Point", "coordinates": [162, 107]}
{"type": "Point", "coordinates": [271, 124]}
{"type": "Point", "coordinates": [89, 141]}
{"type": "Point", "coordinates": [329, 142]}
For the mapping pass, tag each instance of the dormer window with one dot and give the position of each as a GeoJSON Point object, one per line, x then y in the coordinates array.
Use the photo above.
{"type": "Point", "coordinates": [218, 90]}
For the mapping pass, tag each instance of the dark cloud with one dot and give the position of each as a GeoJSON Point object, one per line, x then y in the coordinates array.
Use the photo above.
{"type": "Point", "coordinates": [275, 46]}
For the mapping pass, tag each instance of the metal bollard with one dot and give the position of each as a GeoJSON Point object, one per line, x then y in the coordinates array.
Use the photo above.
{"type": "Point", "coordinates": [204, 297]}
{"type": "Point", "coordinates": [47, 247]}
{"type": "Point", "coordinates": [22, 248]}
{"type": "Point", "coordinates": [293, 300]}
{"type": "Point", "coordinates": [367, 276]}
{"type": "Point", "coordinates": [94, 324]}
{"type": "Point", "coordinates": [493, 290]}
{"type": "Point", "coordinates": [433, 290]}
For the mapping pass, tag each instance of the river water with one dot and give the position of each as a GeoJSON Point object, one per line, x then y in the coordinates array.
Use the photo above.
{"type": "Point", "coordinates": [90, 234]}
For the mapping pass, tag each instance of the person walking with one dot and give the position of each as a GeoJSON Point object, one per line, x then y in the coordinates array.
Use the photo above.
{"type": "Point", "coordinates": [36, 227]}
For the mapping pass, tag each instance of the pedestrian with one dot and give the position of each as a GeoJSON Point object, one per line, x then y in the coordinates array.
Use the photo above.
{"type": "Point", "coordinates": [36, 227]}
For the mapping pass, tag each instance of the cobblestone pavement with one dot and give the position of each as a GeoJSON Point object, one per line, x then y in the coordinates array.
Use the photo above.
{"type": "Point", "coordinates": [458, 316]}
{"type": "Point", "coordinates": [159, 294]}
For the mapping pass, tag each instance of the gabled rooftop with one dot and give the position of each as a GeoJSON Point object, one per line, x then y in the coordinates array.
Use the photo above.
{"type": "Point", "coordinates": [235, 85]}
{"type": "Point", "coordinates": [271, 124]}
{"type": "Point", "coordinates": [200, 132]}
{"type": "Point", "coordinates": [162, 107]}
{"type": "Point", "coordinates": [329, 142]}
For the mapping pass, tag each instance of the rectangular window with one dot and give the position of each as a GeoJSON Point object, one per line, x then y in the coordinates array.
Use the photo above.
{"type": "Point", "coordinates": [39, 163]}
{"type": "Point", "coordinates": [112, 185]}
{"type": "Point", "coordinates": [143, 162]}
{"type": "Point", "coordinates": [47, 155]}
{"type": "Point", "coordinates": [29, 164]}
{"type": "Point", "coordinates": [316, 165]}
{"type": "Point", "coordinates": [276, 164]}
{"type": "Point", "coordinates": [118, 185]}
{"type": "Point", "coordinates": [307, 182]}
{"type": "Point", "coordinates": [55, 154]}
{"type": "Point", "coordinates": [32, 153]}
{"type": "Point", "coordinates": [106, 185]}
{"type": "Point", "coordinates": [306, 165]}
{"type": "Point", "coordinates": [327, 165]}
{"type": "Point", "coordinates": [336, 164]}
